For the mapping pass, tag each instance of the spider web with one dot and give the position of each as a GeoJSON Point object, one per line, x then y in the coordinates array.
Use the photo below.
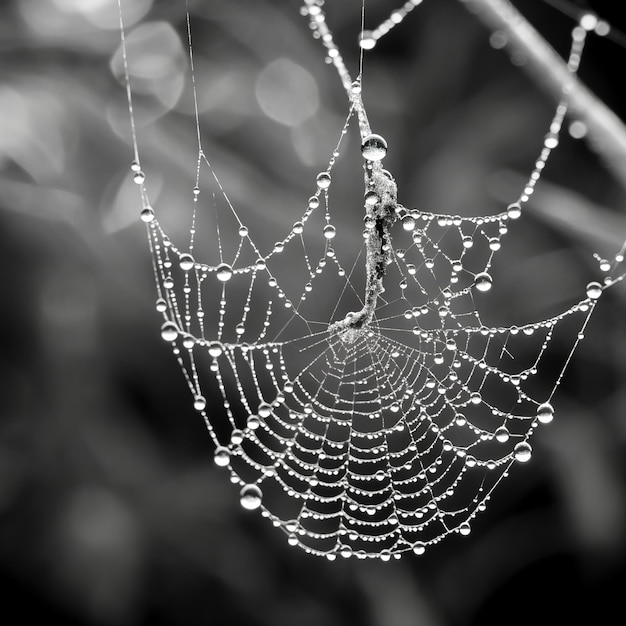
{"type": "Point", "coordinates": [366, 410]}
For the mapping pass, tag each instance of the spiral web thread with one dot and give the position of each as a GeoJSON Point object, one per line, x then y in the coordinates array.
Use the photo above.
{"type": "Point", "coordinates": [370, 421]}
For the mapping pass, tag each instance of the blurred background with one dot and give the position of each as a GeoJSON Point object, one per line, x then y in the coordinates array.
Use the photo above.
{"type": "Point", "coordinates": [111, 509]}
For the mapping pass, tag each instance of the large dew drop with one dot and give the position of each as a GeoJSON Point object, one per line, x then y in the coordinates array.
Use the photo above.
{"type": "Point", "coordinates": [186, 262]}
{"type": "Point", "coordinates": [222, 456]}
{"type": "Point", "coordinates": [224, 272]}
{"type": "Point", "coordinates": [367, 40]}
{"type": "Point", "coordinates": [169, 331]}
{"type": "Point", "coordinates": [371, 198]}
{"type": "Point", "coordinates": [522, 452]}
{"type": "Point", "coordinates": [514, 210]}
{"type": "Point", "coordinates": [147, 214]}
{"type": "Point", "coordinates": [236, 437]}
{"type": "Point", "coordinates": [483, 282]}
{"type": "Point", "coordinates": [374, 148]}
{"type": "Point", "coordinates": [215, 348]}
{"type": "Point", "coordinates": [264, 410]}
{"type": "Point", "coordinates": [502, 434]}
{"type": "Point", "coordinates": [329, 231]}
{"type": "Point", "coordinates": [323, 180]}
{"type": "Point", "coordinates": [545, 413]}
{"type": "Point", "coordinates": [251, 497]}
{"type": "Point", "coordinates": [408, 223]}
{"type": "Point", "coordinates": [594, 290]}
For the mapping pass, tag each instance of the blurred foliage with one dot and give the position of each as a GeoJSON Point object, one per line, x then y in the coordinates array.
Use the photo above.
{"type": "Point", "coordinates": [111, 511]}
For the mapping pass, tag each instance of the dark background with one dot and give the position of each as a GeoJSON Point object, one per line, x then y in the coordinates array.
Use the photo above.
{"type": "Point", "coordinates": [111, 510]}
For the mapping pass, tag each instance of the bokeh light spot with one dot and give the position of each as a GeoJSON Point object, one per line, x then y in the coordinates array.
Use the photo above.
{"type": "Point", "coordinates": [287, 93]}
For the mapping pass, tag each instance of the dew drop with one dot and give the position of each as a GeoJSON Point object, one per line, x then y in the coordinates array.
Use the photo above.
{"type": "Point", "coordinates": [250, 497]}
{"type": "Point", "coordinates": [551, 141]}
{"type": "Point", "coordinates": [323, 181]}
{"type": "Point", "coordinates": [465, 529]}
{"type": "Point", "coordinates": [221, 456]}
{"type": "Point", "coordinates": [514, 210]}
{"type": "Point", "coordinates": [236, 437]}
{"type": "Point", "coordinates": [215, 349]}
{"type": "Point", "coordinates": [169, 331]}
{"type": "Point", "coordinates": [371, 198]}
{"type": "Point", "coordinates": [139, 178]}
{"type": "Point", "coordinates": [224, 272]}
{"type": "Point", "coordinates": [161, 305]}
{"type": "Point", "coordinates": [522, 452]}
{"type": "Point", "coordinates": [135, 167]}
{"type": "Point", "coordinates": [374, 148]}
{"type": "Point", "coordinates": [298, 227]}
{"type": "Point", "coordinates": [253, 422]}
{"type": "Point", "coordinates": [467, 241]}
{"type": "Point", "coordinates": [545, 413]}
{"type": "Point", "coordinates": [589, 21]}
{"type": "Point", "coordinates": [475, 398]}
{"type": "Point", "coordinates": [367, 40]}
{"type": "Point", "coordinates": [483, 282]}
{"type": "Point", "coordinates": [314, 201]}
{"type": "Point", "coordinates": [419, 548]}
{"type": "Point", "coordinates": [265, 410]}
{"type": "Point", "coordinates": [594, 290]}
{"type": "Point", "coordinates": [147, 214]}
{"type": "Point", "coordinates": [502, 434]}
{"type": "Point", "coordinates": [199, 403]}
{"type": "Point", "coordinates": [186, 262]}
{"type": "Point", "coordinates": [408, 223]}
{"type": "Point", "coordinates": [243, 231]}
{"type": "Point", "coordinates": [329, 231]}
{"type": "Point", "coordinates": [605, 265]}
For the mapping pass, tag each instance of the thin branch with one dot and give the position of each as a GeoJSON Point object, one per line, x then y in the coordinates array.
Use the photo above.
{"type": "Point", "coordinates": [606, 132]}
